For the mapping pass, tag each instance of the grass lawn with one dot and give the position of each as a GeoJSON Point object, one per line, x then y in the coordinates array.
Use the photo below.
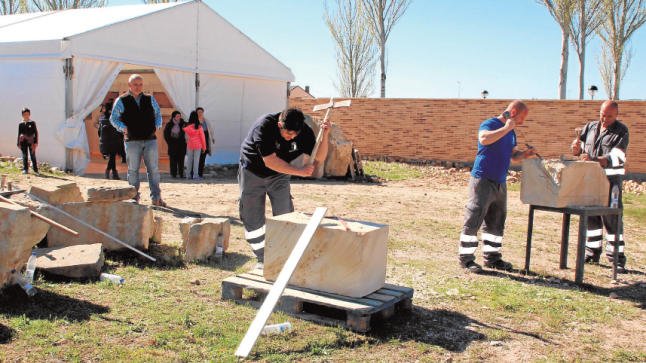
{"type": "Point", "coordinates": [168, 312]}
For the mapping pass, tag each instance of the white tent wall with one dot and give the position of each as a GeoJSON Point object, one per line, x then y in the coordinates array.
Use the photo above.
{"type": "Point", "coordinates": [90, 83]}
{"type": "Point", "coordinates": [38, 85]}
{"type": "Point", "coordinates": [232, 105]}
{"type": "Point", "coordinates": [225, 50]}
{"type": "Point", "coordinates": [180, 88]}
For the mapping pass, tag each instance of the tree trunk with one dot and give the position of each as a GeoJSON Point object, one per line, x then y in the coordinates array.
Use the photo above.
{"type": "Point", "coordinates": [581, 71]}
{"type": "Point", "coordinates": [617, 76]}
{"type": "Point", "coordinates": [564, 60]}
{"type": "Point", "coordinates": [382, 50]}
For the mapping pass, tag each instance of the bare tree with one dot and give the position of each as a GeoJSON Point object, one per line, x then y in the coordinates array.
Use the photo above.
{"type": "Point", "coordinates": [561, 11]}
{"type": "Point", "coordinates": [607, 69]}
{"type": "Point", "coordinates": [8, 7]}
{"type": "Point", "coordinates": [381, 16]}
{"type": "Point", "coordinates": [622, 19]}
{"type": "Point", "coordinates": [48, 5]}
{"type": "Point", "coordinates": [354, 48]}
{"type": "Point", "coordinates": [586, 19]}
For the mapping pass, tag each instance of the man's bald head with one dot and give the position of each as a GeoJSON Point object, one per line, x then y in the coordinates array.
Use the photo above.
{"type": "Point", "coordinates": [518, 111]}
{"type": "Point", "coordinates": [608, 113]}
{"type": "Point", "coordinates": [517, 105]}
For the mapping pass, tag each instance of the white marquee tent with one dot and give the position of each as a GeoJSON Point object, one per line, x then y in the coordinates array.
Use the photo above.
{"type": "Point", "coordinates": [61, 65]}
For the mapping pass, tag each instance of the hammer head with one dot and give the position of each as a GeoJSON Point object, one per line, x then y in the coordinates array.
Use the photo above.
{"type": "Point", "coordinates": [332, 104]}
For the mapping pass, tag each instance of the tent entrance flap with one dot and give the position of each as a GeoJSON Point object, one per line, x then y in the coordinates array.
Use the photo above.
{"type": "Point", "coordinates": [91, 81]}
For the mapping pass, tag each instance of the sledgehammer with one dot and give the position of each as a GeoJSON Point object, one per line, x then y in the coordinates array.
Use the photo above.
{"type": "Point", "coordinates": [325, 106]}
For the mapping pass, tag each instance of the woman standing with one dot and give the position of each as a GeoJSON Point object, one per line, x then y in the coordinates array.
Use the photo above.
{"type": "Point", "coordinates": [176, 139]}
{"type": "Point", "coordinates": [28, 141]}
{"type": "Point", "coordinates": [110, 142]}
{"type": "Point", "coordinates": [195, 144]}
{"type": "Point", "coordinates": [208, 136]}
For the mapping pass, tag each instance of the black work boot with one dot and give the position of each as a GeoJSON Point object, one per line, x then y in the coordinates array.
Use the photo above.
{"type": "Point", "coordinates": [592, 255]}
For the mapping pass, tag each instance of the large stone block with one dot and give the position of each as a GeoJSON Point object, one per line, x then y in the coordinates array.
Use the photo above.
{"type": "Point", "coordinates": [131, 223]}
{"type": "Point", "coordinates": [58, 193]}
{"type": "Point", "coordinates": [200, 237]}
{"type": "Point", "coordinates": [80, 261]}
{"type": "Point", "coordinates": [19, 232]}
{"type": "Point", "coordinates": [347, 262]}
{"type": "Point", "coordinates": [110, 194]}
{"type": "Point", "coordinates": [339, 155]}
{"type": "Point", "coordinates": [557, 183]}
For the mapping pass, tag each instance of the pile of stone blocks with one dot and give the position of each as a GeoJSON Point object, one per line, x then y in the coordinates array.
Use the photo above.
{"type": "Point", "coordinates": [20, 232]}
{"type": "Point", "coordinates": [561, 183]}
{"type": "Point", "coordinates": [350, 262]}
{"type": "Point", "coordinates": [108, 211]}
{"type": "Point", "coordinates": [203, 238]}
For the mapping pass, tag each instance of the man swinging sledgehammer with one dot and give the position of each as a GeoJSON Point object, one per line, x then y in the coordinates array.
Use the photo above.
{"type": "Point", "coordinates": [273, 141]}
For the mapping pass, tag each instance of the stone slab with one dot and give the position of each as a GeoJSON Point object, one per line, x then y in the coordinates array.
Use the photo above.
{"type": "Point", "coordinates": [131, 223]}
{"type": "Point", "coordinates": [556, 183]}
{"type": "Point", "coordinates": [346, 262]}
{"type": "Point", "coordinates": [110, 194]}
{"type": "Point", "coordinates": [58, 193]}
{"type": "Point", "coordinates": [19, 232]}
{"type": "Point", "coordinates": [80, 261]}
{"type": "Point", "coordinates": [200, 236]}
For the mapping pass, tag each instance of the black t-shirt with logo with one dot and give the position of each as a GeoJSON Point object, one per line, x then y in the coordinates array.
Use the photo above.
{"type": "Point", "coordinates": [264, 139]}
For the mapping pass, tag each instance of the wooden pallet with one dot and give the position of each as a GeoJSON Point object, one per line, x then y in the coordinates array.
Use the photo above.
{"type": "Point", "coordinates": [321, 307]}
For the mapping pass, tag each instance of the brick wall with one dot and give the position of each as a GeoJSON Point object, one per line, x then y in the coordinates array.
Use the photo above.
{"type": "Point", "coordinates": [446, 129]}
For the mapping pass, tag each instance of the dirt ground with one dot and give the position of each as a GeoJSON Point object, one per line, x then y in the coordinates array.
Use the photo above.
{"type": "Point", "coordinates": [425, 216]}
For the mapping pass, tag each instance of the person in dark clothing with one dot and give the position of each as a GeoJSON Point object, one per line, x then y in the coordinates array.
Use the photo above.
{"type": "Point", "coordinates": [28, 141]}
{"type": "Point", "coordinates": [208, 135]}
{"type": "Point", "coordinates": [176, 140]}
{"type": "Point", "coordinates": [606, 142]}
{"type": "Point", "coordinates": [110, 142]}
{"type": "Point", "coordinates": [273, 141]}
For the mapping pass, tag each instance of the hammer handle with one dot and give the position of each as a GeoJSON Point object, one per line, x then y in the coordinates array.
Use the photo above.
{"type": "Point", "coordinates": [319, 138]}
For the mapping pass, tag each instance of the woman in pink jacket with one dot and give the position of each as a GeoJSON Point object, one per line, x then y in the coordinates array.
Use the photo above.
{"type": "Point", "coordinates": [195, 145]}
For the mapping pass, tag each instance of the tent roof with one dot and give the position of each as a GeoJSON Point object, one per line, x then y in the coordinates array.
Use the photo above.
{"type": "Point", "coordinates": [67, 23]}
{"type": "Point", "coordinates": [142, 35]}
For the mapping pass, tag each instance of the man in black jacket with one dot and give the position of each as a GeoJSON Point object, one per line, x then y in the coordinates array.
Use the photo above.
{"type": "Point", "coordinates": [605, 141]}
{"type": "Point", "coordinates": [138, 116]}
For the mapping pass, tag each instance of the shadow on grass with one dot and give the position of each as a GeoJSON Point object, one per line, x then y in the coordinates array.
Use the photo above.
{"type": "Point", "coordinates": [6, 334]}
{"type": "Point", "coordinates": [447, 329]}
{"type": "Point", "coordinates": [450, 330]}
{"type": "Point", "coordinates": [634, 292]}
{"type": "Point", "coordinates": [231, 261]}
{"type": "Point", "coordinates": [47, 305]}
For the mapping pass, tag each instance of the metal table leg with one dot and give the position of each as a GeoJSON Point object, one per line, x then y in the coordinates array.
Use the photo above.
{"type": "Point", "coordinates": [565, 240]}
{"type": "Point", "coordinates": [580, 249]}
{"type": "Point", "coordinates": [528, 246]}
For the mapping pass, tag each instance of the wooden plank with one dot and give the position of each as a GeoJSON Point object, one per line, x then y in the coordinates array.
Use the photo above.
{"type": "Point", "coordinates": [382, 297]}
{"type": "Point", "coordinates": [279, 286]}
{"type": "Point", "coordinates": [316, 296]}
{"type": "Point", "coordinates": [403, 289]}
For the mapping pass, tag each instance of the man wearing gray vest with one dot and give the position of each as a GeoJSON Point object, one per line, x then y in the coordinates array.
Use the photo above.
{"type": "Point", "coordinates": [138, 116]}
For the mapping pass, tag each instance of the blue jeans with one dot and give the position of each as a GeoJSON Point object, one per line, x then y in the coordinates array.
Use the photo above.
{"type": "Point", "coordinates": [135, 149]}
{"type": "Point", "coordinates": [192, 162]}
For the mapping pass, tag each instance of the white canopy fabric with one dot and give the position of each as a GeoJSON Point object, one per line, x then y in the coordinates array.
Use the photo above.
{"type": "Point", "coordinates": [239, 80]}
{"type": "Point", "coordinates": [88, 92]}
{"type": "Point", "coordinates": [180, 87]}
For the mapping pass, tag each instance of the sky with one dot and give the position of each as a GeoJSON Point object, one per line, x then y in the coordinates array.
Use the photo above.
{"type": "Point", "coordinates": [438, 49]}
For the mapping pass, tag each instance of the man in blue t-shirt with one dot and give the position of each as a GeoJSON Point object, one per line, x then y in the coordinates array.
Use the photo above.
{"type": "Point", "coordinates": [272, 143]}
{"type": "Point", "coordinates": [487, 202]}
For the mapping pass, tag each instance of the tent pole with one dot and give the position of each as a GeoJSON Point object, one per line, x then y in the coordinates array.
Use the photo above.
{"type": "Point", "coordinates": [287, 98]}
{"type": "Point", "coordinates": [68, 70]}
{"type": "Point", "coordinates": [197, 90]}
